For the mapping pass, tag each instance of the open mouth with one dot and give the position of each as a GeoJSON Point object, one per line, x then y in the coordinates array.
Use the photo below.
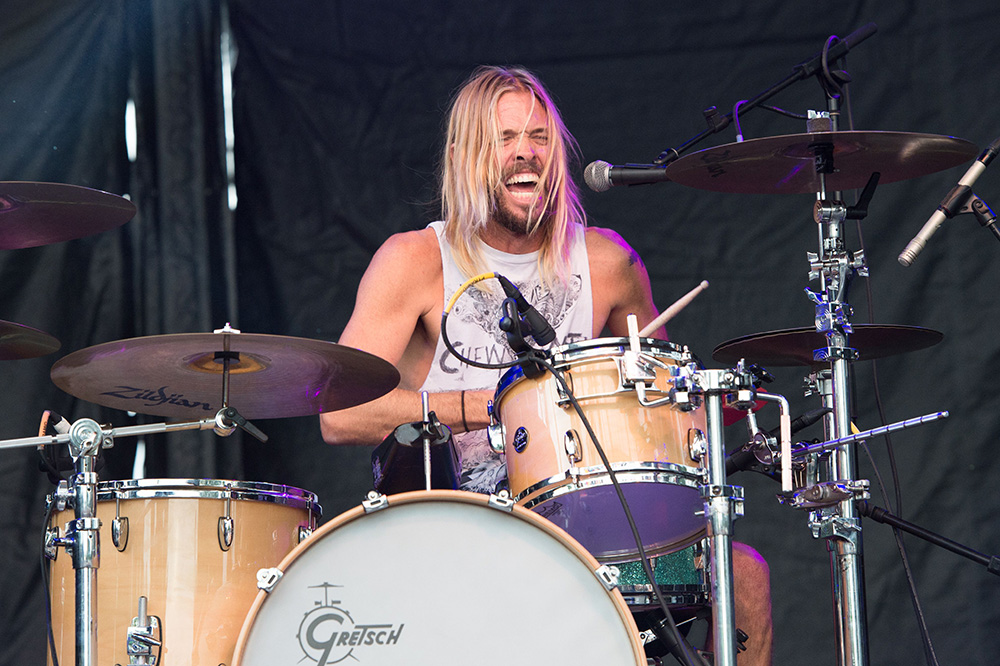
{"type": "Point", "coordinates": [522, 186]}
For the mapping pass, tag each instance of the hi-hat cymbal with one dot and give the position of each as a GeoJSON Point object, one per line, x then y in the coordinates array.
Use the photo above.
{"type": "Point", "coordinates": [33, 214]}
{"type": "Point", "coordinates": [795, 346]}
{"type": "Point", "coordinates": [19, 341]}
{"type": "Point", "coordinates": [786, 164]}
{"type": "Point", "coordinates": [181, 375]}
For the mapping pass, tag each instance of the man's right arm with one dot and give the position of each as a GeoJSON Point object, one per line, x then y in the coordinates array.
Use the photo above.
{"type": "Point", "coordinates": [395, 318]}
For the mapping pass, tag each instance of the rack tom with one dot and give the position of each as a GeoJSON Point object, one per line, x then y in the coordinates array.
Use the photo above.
{"type": "Point", "coordinates": [554, 469]}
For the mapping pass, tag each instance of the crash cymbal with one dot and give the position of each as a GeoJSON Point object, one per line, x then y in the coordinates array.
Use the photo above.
{"type": "Point", "coordinates": [786, 164]}
{"type": "Point", "coordinates": [271, 376]}
{"type": "Point", "coordinates": [33, 214]}
{"type": "Point", "coordinates": [795, 346]}
{"type": "Point", "coordinates": [20, 341]}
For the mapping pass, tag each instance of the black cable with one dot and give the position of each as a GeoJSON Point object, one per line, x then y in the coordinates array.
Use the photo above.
{"type": "Point", "coordinates": [691, 659]}
{"type": "Point", "coordinates": [925, 636]}
{"type": "Point", "coordinates": [45, 581]}
{"type": "Point", "coordinates": [539, 357]}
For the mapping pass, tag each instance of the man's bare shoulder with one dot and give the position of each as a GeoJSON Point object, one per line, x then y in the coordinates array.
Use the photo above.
{"type": "Point", "coordinates": [609, 252]}
{"type": "Point", "coordinates": [410, 245]}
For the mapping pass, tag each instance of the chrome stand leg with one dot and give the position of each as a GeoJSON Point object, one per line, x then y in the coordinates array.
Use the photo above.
{"type": "Point", "coordinates": [723, 504]}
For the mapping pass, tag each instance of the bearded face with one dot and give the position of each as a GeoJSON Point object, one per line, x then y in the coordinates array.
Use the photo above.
{"type": "Point", "coordinates": [518, 199]}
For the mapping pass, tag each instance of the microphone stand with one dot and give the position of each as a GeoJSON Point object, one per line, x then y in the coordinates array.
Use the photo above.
{"type": "Point", "coordinates": [880, 515]}
{"type": "Point", "coordinates": [803, 70]}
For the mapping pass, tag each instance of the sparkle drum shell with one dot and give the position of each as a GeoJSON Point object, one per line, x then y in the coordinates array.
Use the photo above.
{"type": "Point", "coordinates": [439, 577]}
{"type": "Point", "coordinates": [174, 556]}
{"type": "Point", "coordinates": [554, 469]}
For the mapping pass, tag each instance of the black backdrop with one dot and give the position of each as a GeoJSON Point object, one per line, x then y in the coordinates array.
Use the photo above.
{"type": "Point", "coordinates": [338, 113]}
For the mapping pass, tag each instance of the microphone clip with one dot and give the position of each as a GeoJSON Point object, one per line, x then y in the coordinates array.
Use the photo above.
{"type": "Point", "coordinates": [516, 328]}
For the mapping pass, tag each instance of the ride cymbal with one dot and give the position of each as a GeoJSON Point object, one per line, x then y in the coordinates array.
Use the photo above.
{"type": "Point", "coordinates": [181, 375]}
{"type": "Point", "coordinates": [34, 214]}
{"type": "Point", "coordinates": [18, 341]}
{"type": "Point", "coordinates": [795, 346]}
{"type": "Point", "coordinates": [787, 164]}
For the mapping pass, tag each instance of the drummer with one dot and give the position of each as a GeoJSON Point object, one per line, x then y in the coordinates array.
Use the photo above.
{"type": "Point", "coordinates": [509, 205]}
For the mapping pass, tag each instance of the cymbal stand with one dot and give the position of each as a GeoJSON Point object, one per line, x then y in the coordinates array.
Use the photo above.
{"type": "Point", "coordinates": [83, 535]}
{"type": "Point", "coordinates": [840, 524]}
{"type": "Point", "coordinates": [85, 438]}
{"type": "Point", "coordinates": [723, 503]}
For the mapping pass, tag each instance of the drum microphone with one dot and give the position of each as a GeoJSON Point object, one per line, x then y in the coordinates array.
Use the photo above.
{"type": "Point", "coordinates": [601, 176]}
{"type": "Point", "coordinates": [541, 329]}
{"type": "Point", "coordinates": [954, 203]}
{"type": "Point", "coordinates": [756, 456]}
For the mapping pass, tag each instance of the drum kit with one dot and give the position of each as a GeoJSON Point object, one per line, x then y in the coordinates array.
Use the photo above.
{"type": "Point", "coordinates": [234, 572]}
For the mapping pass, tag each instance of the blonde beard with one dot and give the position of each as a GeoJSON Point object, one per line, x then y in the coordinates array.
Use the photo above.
{"type": "Point", "coordinates": [515, 220]}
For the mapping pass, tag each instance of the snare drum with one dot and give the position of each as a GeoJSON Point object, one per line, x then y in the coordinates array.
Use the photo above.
{"type": "Point", "coordinates": [553, 467]}
{"type": "Point", "coordinates": [192, 548]}
{"type": "Point", "coordinates": [438, 577]}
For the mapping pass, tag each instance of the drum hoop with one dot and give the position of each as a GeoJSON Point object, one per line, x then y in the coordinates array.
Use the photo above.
{"type": "Point", "coordinates": [216, 489]}
{"type": "Point", "coordinates": [595, 349]}
{"type": "Point", "coordinates": [461, 496]}
{"type": "Point", "coordinates": [633, 472]}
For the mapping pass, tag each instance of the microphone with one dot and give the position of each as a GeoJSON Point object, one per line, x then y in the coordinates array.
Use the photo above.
{"type": "Point", "coordinates": [757, 456]}
{"type": "Point", "coordinates": [951, 205]}
{"type": "Point", "coordinates": [601, 176]}
{"type": "Point", "coordinates": [541, 329]}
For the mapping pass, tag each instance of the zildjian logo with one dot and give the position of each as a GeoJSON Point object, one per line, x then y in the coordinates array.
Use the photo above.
{"type": "Point", "coordinates": [155, 397]}
{"type": "Point", "coordinates": [328, 634]}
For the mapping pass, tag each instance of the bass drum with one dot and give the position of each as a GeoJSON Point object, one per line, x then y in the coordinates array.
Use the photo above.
{"type": "Point", "coordinates": [192, 549]}
{"type": "Point", "coordinates": [438, 577]}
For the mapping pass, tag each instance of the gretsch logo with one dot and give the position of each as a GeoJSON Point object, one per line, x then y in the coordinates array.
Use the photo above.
{"type": "Point", "coordinates": [329, 635]}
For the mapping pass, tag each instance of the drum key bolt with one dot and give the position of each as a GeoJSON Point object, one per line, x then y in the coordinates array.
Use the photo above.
{"type": "Point", "coordinates": [268, 578]}
{"type": "Point", "coordinates": [375, 501]}
{"type": "Point", "coordinates": [608, 575]}
{"type": "Point", "coordinates": [502, 501]}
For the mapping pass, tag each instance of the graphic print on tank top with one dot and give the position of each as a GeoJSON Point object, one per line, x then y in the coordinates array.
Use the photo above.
{"type": "Point", "coordinates": [474, 330]}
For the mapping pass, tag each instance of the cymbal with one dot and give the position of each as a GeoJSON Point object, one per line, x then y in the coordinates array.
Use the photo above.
{"type": "Point", "coordinates": [181, 375]}
{"type": "Point", "coordinates": [33, 214]}
{"type": "Point", "coordinates": [785, 164]}
{"type": "Point", "coordinates": [19, 341]}
{"type": "Point", "coordinates": [795, 346]}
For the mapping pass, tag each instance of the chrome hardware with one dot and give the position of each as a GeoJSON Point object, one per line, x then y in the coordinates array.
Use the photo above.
{"type": "Point", "coordinates": [268, 578]}
{"type": "Point", "coordinates": [304, 533]}
{"type": "Point", "coordinates": [142, 637]}
{"type": "Point", "coordinates": [375, 501]}
{"type": "Point", "coordinates": [826, 494]}
{"type": "Point", "coordinates": [494, 431]}
{"type": "Point", "coordinates": [53, 542]}
{"type": "Point", "coordinates": [502, 500]}
{"type": "Point", "coordinates": [608, 575]}
{"type": "Point", "coordinates": [119, 533]}
{"type": "Point", "coordinates": [571, 442]}
{"type": "Point", "coordinates": [119, 527]}
{"type": "Point", "coordinates": [226, 526]}
{"type": "Point", "coordinates": [697, 444]}
{"type": "Point", "coordinates": [563, 399]}
{"type": "Point", "coordinates": [634, 367]}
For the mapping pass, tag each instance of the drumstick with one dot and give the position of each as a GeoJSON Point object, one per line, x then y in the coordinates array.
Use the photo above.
{"type": "Point", "coordinates": [672, 311]}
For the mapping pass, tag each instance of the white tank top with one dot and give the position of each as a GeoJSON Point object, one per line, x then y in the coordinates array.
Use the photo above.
{"type": "Point", "coordinates": [474, 330]}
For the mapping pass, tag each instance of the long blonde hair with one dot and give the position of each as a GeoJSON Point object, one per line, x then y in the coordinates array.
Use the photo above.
{"type": "Point", "coordinates": [471, 172]}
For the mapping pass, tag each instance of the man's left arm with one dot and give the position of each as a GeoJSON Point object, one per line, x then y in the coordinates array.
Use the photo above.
{"type": "Point", "coordinates": [620, 284]}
